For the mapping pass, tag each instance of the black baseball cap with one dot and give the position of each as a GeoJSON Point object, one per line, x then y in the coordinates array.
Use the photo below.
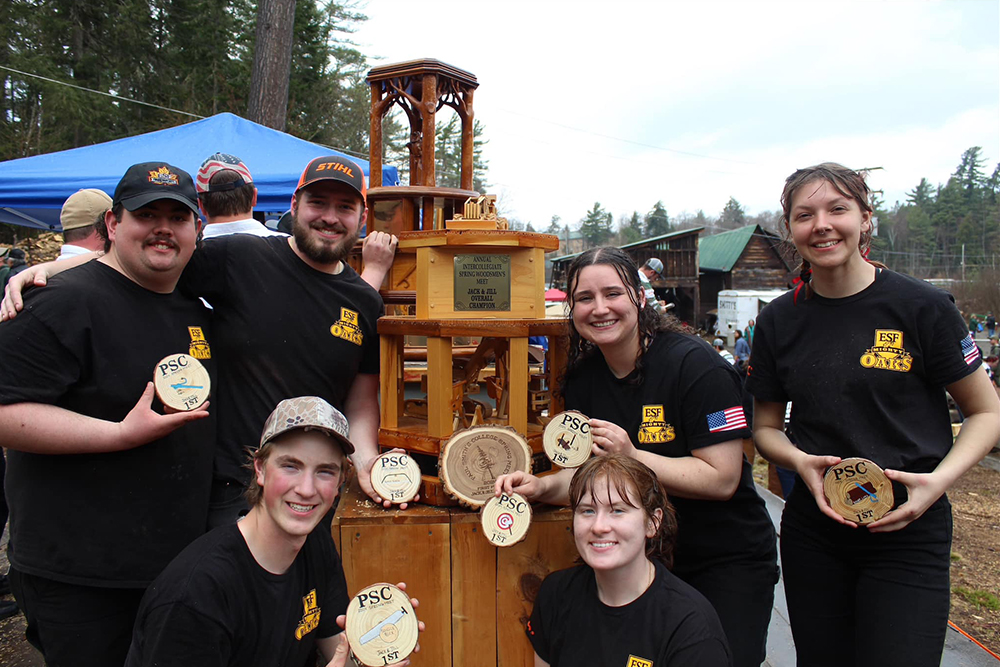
{"type": "Point", "coordinates": [334, 168]}
{"type": "Point", "coordinates": [149, 181]}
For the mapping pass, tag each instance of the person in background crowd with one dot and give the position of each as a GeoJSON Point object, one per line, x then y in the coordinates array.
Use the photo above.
{"type": "Point", "coordinates": [720, 347]}
{"type": "Point", "coordinates": [748, 332]}
{"type": "Point", "coordinates": [649, 271]}
{"type": "Point", "coordinates": [81, 213]}
{"type": "Point", "coordinates": [741, 350]}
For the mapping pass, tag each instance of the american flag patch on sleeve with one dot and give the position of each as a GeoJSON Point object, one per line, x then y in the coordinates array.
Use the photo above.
{"type": "Point", "coordinates": [731, 419]}
{"type": "Point", "coordinates": [970, 350]}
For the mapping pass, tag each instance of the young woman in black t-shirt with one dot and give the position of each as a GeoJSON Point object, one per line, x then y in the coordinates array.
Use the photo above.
{"type": "Point", "coordinates": [623, 606]}
{"type": "Point", "coordinates": [668, 400]}
{"type": "Point", "coordinates": [864, 355]}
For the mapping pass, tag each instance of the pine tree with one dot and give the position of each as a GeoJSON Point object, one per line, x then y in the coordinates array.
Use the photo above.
{"type": "Point", "coordinates": [657, 222]}
{"type": "Point", "coordinates": [596, 227]}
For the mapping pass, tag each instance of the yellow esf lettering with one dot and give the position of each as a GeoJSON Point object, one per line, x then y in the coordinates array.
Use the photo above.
{"type": "Point", "coordinates": [173, 365]}
{"type": "Point", "coordinates": [891, 338]}
{"type": "Point", "coordinates": [374, 595]}
{"type": "Point", "coordinates": [652, 413]}
{"type": "Point", "coordinates": [346, 334]}
{"type": "Point", "coordinates": [900, 364]}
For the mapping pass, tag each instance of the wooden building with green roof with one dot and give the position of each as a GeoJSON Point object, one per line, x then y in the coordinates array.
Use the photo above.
{"type": "Point", "coordinates": [749, 257]}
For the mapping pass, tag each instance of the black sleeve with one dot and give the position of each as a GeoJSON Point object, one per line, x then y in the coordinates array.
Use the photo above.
{"type": "Point", "coordinates": [762, 380]}
{"type": "Point", "coordinates": [705, 653]}
{"type": "Point", "coordinates": [37, 367]}
{"type": "Point", "coordinates": [712, 400]}
{"type": "Point", "coordinates": [540, 624]}
{"type": "Point", "coordinates": [952, 354]}
{"type": "Point", "coordinates": [174, 635]}
{"type": "Point", "coordinates": [336, 600]}
{"type": "Point", "coordinates": [205, 273]}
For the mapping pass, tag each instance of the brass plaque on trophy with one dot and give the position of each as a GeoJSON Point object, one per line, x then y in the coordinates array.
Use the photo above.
{"type": "Point", "coordinates": [482, 283]}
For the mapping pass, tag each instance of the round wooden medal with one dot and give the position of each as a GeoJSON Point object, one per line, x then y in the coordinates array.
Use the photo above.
{"type": "Point", "coordinates": [567, 439]}
{"type": "Point", "coordinates": [505, 519]}
{"type": "Point", "coordinates": [473, 458]}
{"type": "Point", "coordinates": [381, 625]}
{"type": "Point", "coordinates": [396, 477]}
{"type": "Point", "coordinates": [858, 490]}
{"type": "Point", "coordinates": [181, 382]}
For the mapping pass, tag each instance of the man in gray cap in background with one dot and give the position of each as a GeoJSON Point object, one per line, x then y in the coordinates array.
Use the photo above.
{"type": "Point", "coordinates": [651, 269]}
{"type": "Point", "coordinates": [80, 215]}
{"type": "Point", "coordinates": [226, 196]}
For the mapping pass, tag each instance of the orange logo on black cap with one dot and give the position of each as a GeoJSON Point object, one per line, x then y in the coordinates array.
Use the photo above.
{"type": "Point", "coordinates": [162, 176]}
{"type": "Point", "coordinates": [335, 166]}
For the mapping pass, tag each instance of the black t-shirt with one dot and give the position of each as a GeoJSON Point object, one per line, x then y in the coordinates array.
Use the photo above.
{"type": "Point", "coordinates": [89, 343]}
{"type": "Point", "coordinates": [866, 373]}
{"type": "Point", "coordinates": [215, 606]}
{"type": "Point", "coordinates": [669, 625]}
{"type": "Point", "coordinates": [690, 397]}
{"type": "Point", "coordinates": [283, 329]}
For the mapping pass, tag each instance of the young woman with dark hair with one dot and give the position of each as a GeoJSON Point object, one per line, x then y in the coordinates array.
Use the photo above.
{"type": "Point", "coordinates": [623, 605]}
{"type": "Point", "coordinates": [865, 356]}
{"type": "Point", "coordinates": [668, 400]}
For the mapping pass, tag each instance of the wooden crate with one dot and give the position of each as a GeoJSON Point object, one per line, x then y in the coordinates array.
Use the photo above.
{"type": "Point", "coordinates": [474, 597]}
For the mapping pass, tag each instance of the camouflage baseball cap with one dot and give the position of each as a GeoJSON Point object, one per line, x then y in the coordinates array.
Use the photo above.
{"type": "Point", "coordinates": [307, 412]}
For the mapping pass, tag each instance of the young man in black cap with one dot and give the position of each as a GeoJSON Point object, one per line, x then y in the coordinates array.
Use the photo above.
{"type": "Point", "coordinates": [104, 490]}
{"type": "Point", "coordinates": [267, 590]}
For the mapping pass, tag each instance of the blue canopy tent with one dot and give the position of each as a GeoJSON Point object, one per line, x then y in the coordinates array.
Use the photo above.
{"type": "Point", "coordinates": [33, 189]}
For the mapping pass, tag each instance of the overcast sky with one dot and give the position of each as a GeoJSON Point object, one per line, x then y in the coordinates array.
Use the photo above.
{"type": "Point", "coordinates": [628, 102]}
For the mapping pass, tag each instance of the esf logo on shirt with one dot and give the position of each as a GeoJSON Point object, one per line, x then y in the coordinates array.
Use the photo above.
{"type": "Point", "coordinates": [636, 661]}
{"type": "Point", "coordinates": [654, 429]}
{"type": "Point", "coordinates": [310, 615]}
{"type": "Point", "coordinates": [347, 327]}
{"type": "Point", "coordinates": [888, 353]}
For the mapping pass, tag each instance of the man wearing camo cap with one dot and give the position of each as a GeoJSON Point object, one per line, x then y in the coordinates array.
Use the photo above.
{"type": "Point", "coordinates": [266, 590]}
{"type": "Point", "coordinates": [226, 196]}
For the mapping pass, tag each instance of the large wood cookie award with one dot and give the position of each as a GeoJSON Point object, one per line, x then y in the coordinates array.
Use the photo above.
{"type": "Point", "coordinates": [472, 460]}
{"type": "Point", "coordinates": [181, 382]}
{"type": "Point", "coordinates": [381, 625]}
{"type": "Point", "coordinates": [858, 490]}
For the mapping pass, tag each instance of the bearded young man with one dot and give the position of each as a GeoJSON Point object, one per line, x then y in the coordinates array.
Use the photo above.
{"type": "Point", "coordinates": [291, 318]}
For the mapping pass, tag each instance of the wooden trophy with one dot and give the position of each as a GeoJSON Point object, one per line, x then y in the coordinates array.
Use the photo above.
{"type": "Point", "coordinates": [472, 460]}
